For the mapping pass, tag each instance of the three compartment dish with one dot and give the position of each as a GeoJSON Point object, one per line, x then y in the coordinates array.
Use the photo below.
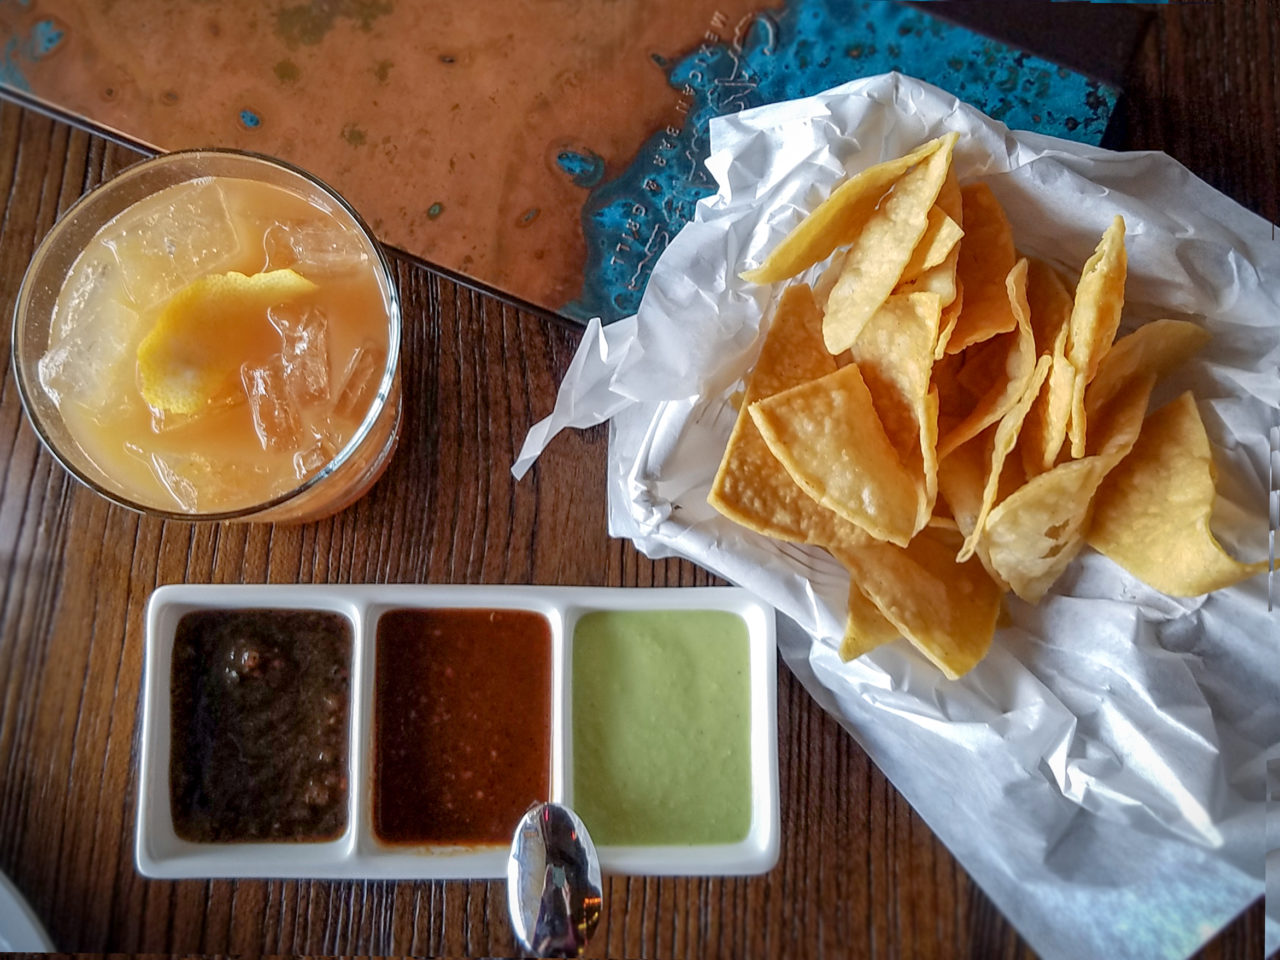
{"type": "Point", "coordinates": [396, 731]}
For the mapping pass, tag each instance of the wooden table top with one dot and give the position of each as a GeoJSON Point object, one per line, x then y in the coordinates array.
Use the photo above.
{"type": "Point", "coordinates": [860, 873]}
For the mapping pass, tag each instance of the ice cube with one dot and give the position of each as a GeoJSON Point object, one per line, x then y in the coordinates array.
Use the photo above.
{"type": "Point", "coordinates": [314, 247]}
{"type": "Point", "coordinates": [166, 241]}
{"type": "Point", "coordinates": [93, 280]}
{"type": "Point", "coordinates": [93, 337]}
{"type": "Point", "coordinates": [173, 472]}
{"type": "Point", "coordinates": [275, 419]}
{"type": "Point", "coordinates": [360, 381]}
{"type": "Point", "coordinates": [276, 245]}
{"type": "Point", "coordinates": [304, 339]}
{"type": "Point", "coordinates": [308, 461]}
{"type": "Point", "coordinates": [197, 483]}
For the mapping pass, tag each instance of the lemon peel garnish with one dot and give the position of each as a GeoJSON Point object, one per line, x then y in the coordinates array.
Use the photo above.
{"type": "Point", "coordinates": [197, 342]}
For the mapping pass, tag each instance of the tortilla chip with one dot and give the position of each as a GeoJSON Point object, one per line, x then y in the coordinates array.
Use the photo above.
{"type": "Point", "coordinates": [895, 356]}
{"type": "Point", "coordinates": [940, 278]}
{"type": "Point", "coordinates": [881, 251]}
{"type": "Point", "coordinates": [1034, 533]}
{"type": "Point", "coordinates": [950, 199]}
{"type": "Point", "coordinates": [865, 627]}
{"type": "Point", "coordinates": [961, 481]}
{"type": "Point", "coordinates": [1008, 384]}
{"type": "Point", "coordinates": [946, 610]}
{"type": "Point", "coordinates": [827, 281]}
{"type": "Point", "coordinates": [1152, 513]}
{"type": "Point", "coordinates": [961, 478]}
{"type": "Point", "coordinates": [1049, 301]}
{"type": "Point", "coordinates": [986, 257]}
{"type": "Point", "coordinates": [941, 522]}
{"type": "Point", "coordinates": [940, 237]}
{"type": "Point", "coordinates": [837, 219]}
{"type": "Point", "coordinates": [950, 316]}
{"type": "Point", "coordinates": [952, 395]}
{"type": "Point", "coordinates": [751, 487]}
{"type": "Point", "coordinates": [828, 436]}
{"type": "Point", "coordinates": [1095, 317]}
{"type": "Point", "coordinates": [1046, 427]}
{"type": "Point", "coordinates": [1119, 421]}
{"type": "Point", "coordinates": [1156, 347]}
{"type": "Point", "coordinates": [985, 364]}
{"type": "Point", "coordinates": [1002, 443]}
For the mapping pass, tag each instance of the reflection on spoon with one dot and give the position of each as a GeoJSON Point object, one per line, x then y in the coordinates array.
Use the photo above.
{"type": "Point", "coordinates": [553, 882]}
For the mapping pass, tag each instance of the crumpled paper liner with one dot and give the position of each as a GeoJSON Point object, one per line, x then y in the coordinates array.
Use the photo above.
{"type": "Point", "coordinates": [1101, 774]}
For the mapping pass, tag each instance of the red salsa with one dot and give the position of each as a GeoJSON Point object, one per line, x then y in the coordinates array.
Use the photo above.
{"type": "Point", "coordinates": [462, 724]}
{"type": "Point", "coordinates": [258, 713]}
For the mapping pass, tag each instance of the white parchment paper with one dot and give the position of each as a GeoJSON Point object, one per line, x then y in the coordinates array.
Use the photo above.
{"type": "Point", "coordinates": [1102, 773]}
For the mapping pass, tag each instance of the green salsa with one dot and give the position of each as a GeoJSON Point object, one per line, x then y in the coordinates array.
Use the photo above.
{"type": "Point", "coordinates": [661, 727]}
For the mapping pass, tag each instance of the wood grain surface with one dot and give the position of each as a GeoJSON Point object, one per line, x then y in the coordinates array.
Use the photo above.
{"type": "Point", "coordinates": [860, 874]}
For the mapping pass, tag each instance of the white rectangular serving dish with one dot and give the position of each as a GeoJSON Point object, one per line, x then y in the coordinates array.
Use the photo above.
{"type": "Point", "coordinates": [358, 853]}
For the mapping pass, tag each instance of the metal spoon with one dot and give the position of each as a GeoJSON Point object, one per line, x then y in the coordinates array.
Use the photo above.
{"type": "Point", "coordinates": [553, 882]}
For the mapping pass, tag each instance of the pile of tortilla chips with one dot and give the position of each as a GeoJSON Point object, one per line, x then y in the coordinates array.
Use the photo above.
{"type": "Point", "coordinates": [951, 421]}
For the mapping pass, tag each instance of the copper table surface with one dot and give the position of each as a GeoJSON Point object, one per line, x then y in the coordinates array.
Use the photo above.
{"type": "Point", "coordinates": [860, 873]}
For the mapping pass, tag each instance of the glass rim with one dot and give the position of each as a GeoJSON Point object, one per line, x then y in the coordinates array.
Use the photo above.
{"type": "Point", "coordinates": [361, 433]}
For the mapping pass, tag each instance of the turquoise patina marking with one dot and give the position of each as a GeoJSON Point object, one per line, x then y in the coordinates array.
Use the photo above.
{"type": "Point", "coordinates": [584, 167]}
{"type": "Point", "coordinates": [11, 74]}
{"type": "Point", "coordinates": [249, 119]}
{"type": "Point", "coordinates": [807, 47]}
{"type": "Point", "coordinates": [45, 37]}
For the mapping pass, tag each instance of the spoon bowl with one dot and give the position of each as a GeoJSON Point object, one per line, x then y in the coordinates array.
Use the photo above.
{"type": "Point", "coordinates": [553, 882]}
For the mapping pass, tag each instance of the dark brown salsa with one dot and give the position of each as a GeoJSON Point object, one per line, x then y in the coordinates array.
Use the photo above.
{"type": "Point", "coordinates": [259, 706]}
{"type": "Point", "coordinates": [462, 723]}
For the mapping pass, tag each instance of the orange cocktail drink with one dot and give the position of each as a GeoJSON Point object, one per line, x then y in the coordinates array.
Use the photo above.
{"type": "Point", "coordinates": [213, 335]}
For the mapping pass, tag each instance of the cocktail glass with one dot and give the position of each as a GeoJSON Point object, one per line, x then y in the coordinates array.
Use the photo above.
{"type": "Point", "coordinates": [103, 274]}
